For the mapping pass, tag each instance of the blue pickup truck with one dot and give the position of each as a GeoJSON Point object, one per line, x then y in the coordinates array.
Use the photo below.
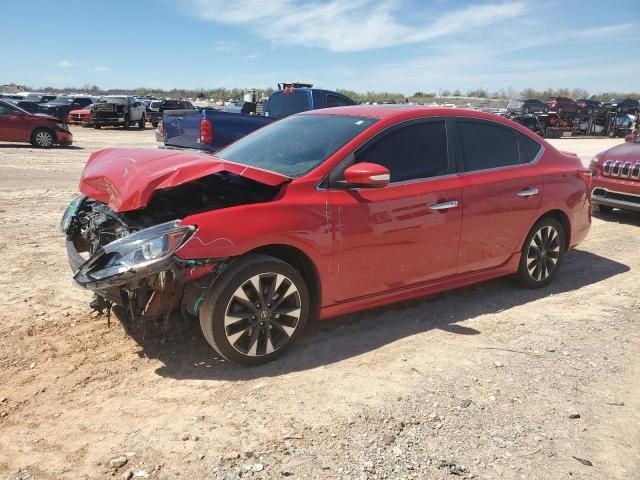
{"type": "Point", "coordinates": [210, 130]}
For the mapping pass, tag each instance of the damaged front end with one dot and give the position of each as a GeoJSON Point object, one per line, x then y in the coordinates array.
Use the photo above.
{"type": "Point", "coordinates": [126, 263]}
{"type": "Point", "coordinates": [123, 233]}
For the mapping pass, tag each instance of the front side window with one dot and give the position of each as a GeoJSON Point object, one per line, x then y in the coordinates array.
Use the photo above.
{"type": "Point", "coordinates": [411, 152]}
{"type": "Point", "coordinates": [6, 110]}
{"type": "Point", "coordinates": [487, 145]}
{"type": "Point", "coordinates": [297, 144]}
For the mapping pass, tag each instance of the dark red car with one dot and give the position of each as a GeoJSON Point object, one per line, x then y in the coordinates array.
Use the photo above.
{"type": "Point", "coordinates": [616, 177]}
{"type": "Point", "coordinates": [321, 214]}
{"type": "Point", "coordinates": [18, 125]}
{"type": "Point", "coordinates": [562, 105]}
{"type": "Point", "coordinates": [80, 116]}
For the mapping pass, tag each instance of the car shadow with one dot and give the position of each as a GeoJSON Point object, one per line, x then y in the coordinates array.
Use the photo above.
{"type": "Point", "coordinates": [620, 216]}
{"type": "Point", "coordinates": [180, 346]}
{"type": "Point", "coordinates": [26, 146]}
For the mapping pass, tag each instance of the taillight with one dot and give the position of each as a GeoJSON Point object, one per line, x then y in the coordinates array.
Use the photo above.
{"type": "Point", "coordinates": [585, 175]}
{"type": "Point", "coordinates": [206, 131]}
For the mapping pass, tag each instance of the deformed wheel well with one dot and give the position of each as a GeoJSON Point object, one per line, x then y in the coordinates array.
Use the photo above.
{"type": "Point", "coordinates": [301, 262]}
{"type": "Point", "coordinates": [561, 217]}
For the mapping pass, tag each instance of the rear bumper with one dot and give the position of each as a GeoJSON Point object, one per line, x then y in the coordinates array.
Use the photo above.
{"type": "Point", "coordinates": [615, 199]}
{"type": "Point", "coordinates": [64, 138]}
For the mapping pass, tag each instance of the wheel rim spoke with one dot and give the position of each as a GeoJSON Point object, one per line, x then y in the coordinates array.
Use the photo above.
{"type": "Point", "coordinates": [543, 253]}
{"type": "Point", "coordinates": [262, 314]}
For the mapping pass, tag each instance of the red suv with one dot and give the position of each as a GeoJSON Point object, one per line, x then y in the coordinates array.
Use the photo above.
{"type": "Point", "coordinates": [322, 214]}
{"type": "Point", "coordinates": [18, 125]}
{"type": "Point", "coordinates": [616, 177]}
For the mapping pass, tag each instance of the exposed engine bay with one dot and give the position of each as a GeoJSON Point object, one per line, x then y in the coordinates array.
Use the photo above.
{"type": "Point", "coordinates": [126, 258]}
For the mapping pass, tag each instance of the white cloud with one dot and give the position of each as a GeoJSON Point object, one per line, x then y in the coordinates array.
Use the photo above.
{"type": "Point", "coordinates": [352, 26]}
{"type": "Point", "coordinates": [226, 46]}
{"type": "Point", "coordinates": [100, 68]}
{"type": "Point", "coordinates": [66, 63]}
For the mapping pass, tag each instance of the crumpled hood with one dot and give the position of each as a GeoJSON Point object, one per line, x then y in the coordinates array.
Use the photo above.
{"type": "Point", "coordinates": [125, 179]}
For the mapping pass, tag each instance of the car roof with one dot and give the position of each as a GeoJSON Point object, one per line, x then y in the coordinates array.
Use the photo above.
{"type": "Point", "coordinates": [403, 111]}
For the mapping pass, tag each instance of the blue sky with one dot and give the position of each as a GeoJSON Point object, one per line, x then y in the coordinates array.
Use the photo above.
{"type": "Point", "coordinates": [393, 45]}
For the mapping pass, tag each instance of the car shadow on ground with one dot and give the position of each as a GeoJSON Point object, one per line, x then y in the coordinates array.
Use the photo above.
{"type": "Point", "coordinates": [180, 346]}
{"type": "Point", "coordinates": [27, 146]}
{"type": "Point", "coordinates": [620, 216]}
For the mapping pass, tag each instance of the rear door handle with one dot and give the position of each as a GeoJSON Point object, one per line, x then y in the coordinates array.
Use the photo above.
{"type": "Point", "coordinates": [529, 192]}
{"type": "Point", "coordinates": [444, 205]}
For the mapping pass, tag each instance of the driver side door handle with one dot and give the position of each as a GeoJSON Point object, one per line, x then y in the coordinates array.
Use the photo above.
{"type": "Point", "coordinates": [530, 192]}
{"type": "Point", "coordinates": [444, 205]}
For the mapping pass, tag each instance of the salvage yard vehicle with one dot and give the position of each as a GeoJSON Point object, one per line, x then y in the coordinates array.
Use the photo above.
{"type": "Point", "coordinates": [42, 131]}
{"type": "Point", "coordinates": [118, 111]}
{"type": "Point", "coordinates": [562, 105]}
{"type": "Point", "coordinates": [530, 105]}
{"type": "Point", "coordinates": [322, 214]}
{"type": "Point", "coordinates": [623, 105]}
{"type": "Point", "coordinates": [587, 106]}
{"type": "Point", "coordinates": [62, 105]}
{"type": "Point", "coordinates": [616, 177]}
{"type": "Point", "coordinates": [81, 116]}
{"type": "Point", "coordinates": [211, 129]}
{"type": "Point", "coordinates": [155, 115]}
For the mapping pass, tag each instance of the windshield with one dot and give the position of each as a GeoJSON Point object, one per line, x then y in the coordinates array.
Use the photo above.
{"type": "Point", "coordinates": [297, 144]}
{"type": "Point", "coordinates": [62, 101]}
{"type": "Point", "coordinates": [112, 100]}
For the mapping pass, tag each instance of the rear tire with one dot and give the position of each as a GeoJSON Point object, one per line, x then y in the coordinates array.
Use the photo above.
{"type": "Point", "coordinates": [542, 253]}
{"type": "Point", "coordinates": [597, 208]}
{"type": "Point", "coordinates": [43, 138]}
{"type": "Point", "coordinates": [255, 310]}
{"type": "Point", "coordinates": [127, 123]}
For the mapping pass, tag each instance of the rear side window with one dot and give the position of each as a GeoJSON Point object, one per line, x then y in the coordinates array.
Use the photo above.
{"type": "Point", "coordinates": [335, 101]}
{"type": "Point", "coordinates": [528, 148]}
{"type": "Point", "coordinates": [411, 152]}
{"type": "Point", "coordinates": [485, 146]}
{"type": "Point", "coordinates": [284, 104]}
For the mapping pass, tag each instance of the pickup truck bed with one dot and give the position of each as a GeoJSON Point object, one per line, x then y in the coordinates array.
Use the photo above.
{"type": "Point", "coordinates": [182, 128]}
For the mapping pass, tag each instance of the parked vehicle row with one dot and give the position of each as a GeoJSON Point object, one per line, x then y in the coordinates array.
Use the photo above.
{"type": "Point", "coordinates": [320, 214]}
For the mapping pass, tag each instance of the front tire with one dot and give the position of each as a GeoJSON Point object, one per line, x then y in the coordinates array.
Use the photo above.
{"type": "Point", "coordinates": [42, 138]}
{"type": "Point", "coordinates": [255, 311]}
{"type": "Point", "coordinates": [141, 123]}
{"type": "Point", "coordinates": [542, 253]}
{"type": "Point", "coordinates": [127, 123]}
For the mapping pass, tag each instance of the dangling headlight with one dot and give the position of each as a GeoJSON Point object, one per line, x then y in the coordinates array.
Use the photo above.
{"type": "Point", "coordinates": [140, 253]}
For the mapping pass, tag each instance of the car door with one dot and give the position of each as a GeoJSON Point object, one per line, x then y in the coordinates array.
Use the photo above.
{"type": "Point", "coordinates": [407, 232]}
{"type": "Point", "coordinates": [501, 191]}
{"type": "Point", "coordinates": [13, 124]}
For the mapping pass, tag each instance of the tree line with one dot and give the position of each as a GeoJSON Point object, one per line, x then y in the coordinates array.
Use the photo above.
{"type": "Point", "coordinates": [361, 97]}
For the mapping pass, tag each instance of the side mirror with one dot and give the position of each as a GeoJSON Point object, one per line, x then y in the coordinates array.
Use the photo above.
{"type": "Point", "coordinates": [367, 175]}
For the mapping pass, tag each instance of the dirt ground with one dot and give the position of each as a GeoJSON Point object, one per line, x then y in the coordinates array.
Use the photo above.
{"type": "Point", "coordinates": [480, 382]}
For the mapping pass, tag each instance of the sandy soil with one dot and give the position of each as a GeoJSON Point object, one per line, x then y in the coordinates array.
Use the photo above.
{"type": "Point", "coordinates": [76, 393]}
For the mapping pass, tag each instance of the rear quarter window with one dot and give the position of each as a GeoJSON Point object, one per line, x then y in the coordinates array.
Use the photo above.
{"type": "Point", "coordinates": [528, 148]}
{"type": "Point", "coordinates": [487, 145]}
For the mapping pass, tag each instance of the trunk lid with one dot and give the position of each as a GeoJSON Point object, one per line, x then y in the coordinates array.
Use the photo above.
{"type": "Point", "coordinates": [125, 179]}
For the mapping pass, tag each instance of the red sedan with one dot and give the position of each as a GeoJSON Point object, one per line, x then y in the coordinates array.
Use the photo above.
{"type": "Point", "coordinates": [80, 116]}
{"type": "Point", "coordinates": [43, 131]}
{"type": "Point", "coordinates": [321, 214]}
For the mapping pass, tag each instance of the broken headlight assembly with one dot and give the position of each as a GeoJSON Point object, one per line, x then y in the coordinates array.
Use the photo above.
{"type": "Point", "coordinates": [70, 213]}
{"type": "Point", "coordinates": [137, 255]}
